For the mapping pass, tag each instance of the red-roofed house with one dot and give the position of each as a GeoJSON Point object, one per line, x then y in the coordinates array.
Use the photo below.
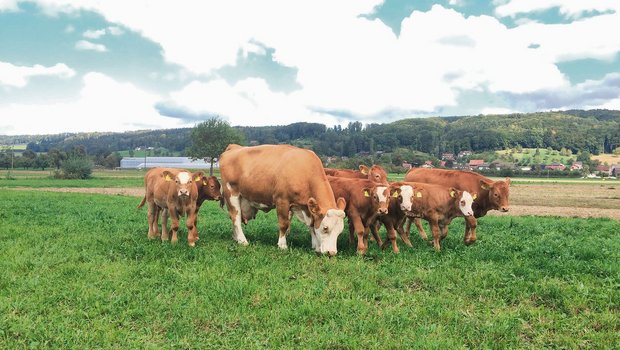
{"type": "Point", "coordinates": [555, 166]}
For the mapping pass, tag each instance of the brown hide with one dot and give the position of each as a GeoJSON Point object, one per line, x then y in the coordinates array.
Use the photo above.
{"type": "Point", "coordinates": [488, 194]}
{"type": "Point", "coordinates": [375, 173]}
{"type": "Point", "coordinates": [363, 206]}
{"type": "Point", "coordinates": [162, 187]}
{"type": "Point", "coordinates": [435, 204]}
{"type": "Point", "coordinates": [393, 221]}
{"type": "Point", "coordinates": [282, 177]}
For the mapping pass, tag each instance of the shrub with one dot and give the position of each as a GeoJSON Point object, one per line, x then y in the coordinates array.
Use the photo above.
{"type": "Point", "coordinates": [75, 168]}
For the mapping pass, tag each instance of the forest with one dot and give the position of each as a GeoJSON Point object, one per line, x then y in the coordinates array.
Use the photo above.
{"type": "Point", "coordinates": [595, 131]}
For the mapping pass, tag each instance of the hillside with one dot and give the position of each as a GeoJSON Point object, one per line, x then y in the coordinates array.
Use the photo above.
{"type": "Point", "coordinates": [597, 131]}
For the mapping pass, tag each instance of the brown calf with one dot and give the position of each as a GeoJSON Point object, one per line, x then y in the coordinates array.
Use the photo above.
{"type": "Point", "coordinates": [365, 202]}
{"type": "Point", "coordinates": [438, 205]}
{"type": "Point", "coordinates": [175, 192]}
{"type": "Point", "coordinates": [487, 194]}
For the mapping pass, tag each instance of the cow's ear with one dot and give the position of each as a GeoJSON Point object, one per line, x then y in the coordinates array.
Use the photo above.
{"type": "Point", "coordinates": [366, 191]}
{"type": "Point", "coordinates": [452, 192]}
{"type": "Point", "coordinates": [341, 203]}
{"type": "Point", "coordinates": [508, 181]}
{"type": "Point", "coordinates": [198, 176]}
{"type": "Point", "coordinates": [363, 169]}
{"type": "Point", "coordinates": [484, 185]}
{"type": "Point", "coordinates": [313, 207]}
{"type": "Point", "coordinates": [395, 192]}
{"type": "Point", "coordinates": [167, 175]}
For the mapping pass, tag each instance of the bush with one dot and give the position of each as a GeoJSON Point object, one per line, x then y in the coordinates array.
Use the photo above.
{"type": "Point", "coordinates": [75, 168]}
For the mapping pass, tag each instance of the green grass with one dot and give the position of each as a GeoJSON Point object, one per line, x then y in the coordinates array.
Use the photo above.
{"type": "Point", "coordinates": [79, 272]}
{"type": "Point", "coordinates": [546, 156]}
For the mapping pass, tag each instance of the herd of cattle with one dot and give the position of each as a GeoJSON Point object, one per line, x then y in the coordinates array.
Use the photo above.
{"type": "Point", "coordinates": [293, 181]}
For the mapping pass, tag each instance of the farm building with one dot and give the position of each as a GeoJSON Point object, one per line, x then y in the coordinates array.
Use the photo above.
{"type": "Point", "coordinates": [167, 162]}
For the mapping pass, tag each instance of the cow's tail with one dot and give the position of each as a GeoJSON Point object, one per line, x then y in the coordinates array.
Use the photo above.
{"type": "Point", "coordinates": [141, 203]}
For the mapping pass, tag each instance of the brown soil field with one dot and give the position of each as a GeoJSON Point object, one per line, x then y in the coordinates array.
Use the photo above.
{"type": "Point", "coordinates": [567, 200]}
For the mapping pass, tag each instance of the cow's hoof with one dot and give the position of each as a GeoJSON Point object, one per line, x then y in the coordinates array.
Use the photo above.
{"type": "Point", "coordinates": [244, 243]}
{"type": "Point", "coordinates": [283, 246]}
{"type": "Point", "coordinates": [174, 241]}
{"type": "Point", "coordinates": [192, 244]}
{"type": "Point", "coordinates": [469, 242]}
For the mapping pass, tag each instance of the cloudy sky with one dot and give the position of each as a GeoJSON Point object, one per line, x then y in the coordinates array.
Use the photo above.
{"type": "Point", "coordinates": [90, 65]}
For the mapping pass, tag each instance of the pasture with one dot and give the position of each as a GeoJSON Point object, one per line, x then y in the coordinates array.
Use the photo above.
{"type": "Point", "coordinates": [79, 272]}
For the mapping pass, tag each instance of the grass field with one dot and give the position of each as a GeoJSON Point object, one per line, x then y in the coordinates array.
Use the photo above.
{"type": "Point", "coordinates": [526, 157]}
{"type": "Point", "coordinates": [607, 158]}
{"type": "Point", "coordinates": [79, 272]}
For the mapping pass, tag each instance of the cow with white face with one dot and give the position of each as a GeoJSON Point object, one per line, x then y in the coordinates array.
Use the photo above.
{"type": "Point", "coordinates": [286, 178]}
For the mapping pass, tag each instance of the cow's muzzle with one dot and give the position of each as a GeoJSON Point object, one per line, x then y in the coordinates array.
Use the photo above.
{"type": "Point", "coordinates": [382, 211]}
{"type": "Point", "coordinates": [504, 209]}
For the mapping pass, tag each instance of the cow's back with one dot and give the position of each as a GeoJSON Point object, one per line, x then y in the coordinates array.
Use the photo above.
{"type": "Point", "coordinates": [260, 172]}
{"type": "Point", "coordinates": [463, 180]}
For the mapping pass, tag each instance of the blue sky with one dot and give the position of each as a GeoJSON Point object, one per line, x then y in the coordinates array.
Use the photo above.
{"type": "Point", "coordinates": [68, 66]}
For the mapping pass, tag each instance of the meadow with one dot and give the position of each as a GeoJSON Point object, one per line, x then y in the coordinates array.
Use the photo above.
{"type": "Point", "coordinates": [79, 272]}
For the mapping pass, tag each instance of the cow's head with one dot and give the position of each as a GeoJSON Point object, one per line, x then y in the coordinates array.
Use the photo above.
{"type": "Point", "coordinates": [380, 196]}
{"type": "Point", "coordinates": [375, 173]}
{"type": "Point", "coordinates": [464, 201]}
{"type": "Point", "coordinates": [183, 182]}
{"type": "Point", "coordinates": [404, 195]}
{"type": "Point", "coordinates": [208, 186]}
{"type": "Point", "coordinates": [327, 226]}
{"type": "Point", "coordinates": [498, 193]}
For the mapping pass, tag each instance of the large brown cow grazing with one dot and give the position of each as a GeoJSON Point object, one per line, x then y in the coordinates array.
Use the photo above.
{"type": "Point", "coordinates": [375, 173]}
{"type": "Point", "coordinates": [175, 192]}
{"type": "Point", "coordinates": [487, 194]}
{"type": "Point", "coordinates": [366, 200]}
{"type": "Point", "coordinates": [286, 178]}
{"type": "Point", "coordinates": [208, 189]}
{"type": "Point", "coordinates": [438, 205]}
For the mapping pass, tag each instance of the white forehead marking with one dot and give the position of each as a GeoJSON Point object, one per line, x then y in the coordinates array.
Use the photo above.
{"type": "Point", "coordinates": [380, 193]}
{"type": "Point", "coordinates": [406, 191]}
{"type": "Point", "coordinates": [466, 209]}
{"type": "Point", "coordinates": [184, 177]}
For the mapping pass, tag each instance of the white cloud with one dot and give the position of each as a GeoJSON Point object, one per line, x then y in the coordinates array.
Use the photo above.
{"type": "Point", "coordinates": [94, 34]}
{"type": "Point", "coordinates": [18, 76]}
{"type": "Point", "coordinates": [8, 5]}
{"type": "Point", "coordinates": [87, 45]}
{"type": "Point", "coordinates": [69, 29]}
{"type": "Point", "coordinates": [568, 8]}
{"type": "Point", "coordinates": [116, 31]}
{"type": "Point", "coordinates": [103, 105]}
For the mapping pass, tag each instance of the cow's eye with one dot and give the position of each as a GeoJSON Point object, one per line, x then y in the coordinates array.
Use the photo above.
{"type": "Point", "coordinates": [463, 203]}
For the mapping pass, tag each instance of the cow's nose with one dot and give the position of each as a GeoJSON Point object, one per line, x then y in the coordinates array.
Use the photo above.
{"type": "Point", "coordinates": [382, 210]}
{"type": "Point", "coordinates": [504, 209]}
{"type": "Point", "coordinates": [331, 253]}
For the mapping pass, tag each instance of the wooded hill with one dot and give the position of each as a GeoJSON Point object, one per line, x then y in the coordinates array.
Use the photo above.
{"type": "Point", "coordinates": [596, 131]}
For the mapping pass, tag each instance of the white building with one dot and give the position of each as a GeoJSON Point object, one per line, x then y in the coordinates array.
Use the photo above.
{"type": "Point", "coordinates": [165, 162]}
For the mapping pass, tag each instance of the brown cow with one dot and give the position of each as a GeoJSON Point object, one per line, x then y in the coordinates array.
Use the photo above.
{"type": "Point", "coordinates": [487, 194]}
{"type": "Point", "coordinates": [375, 173]}
{"type": "Point", "coordinates": [400, 203]}
{"type": "Point", "coordinates": [286, 178]}
{"type": "Point", "coordinates": [175, 192]}
{"type": "Point", "coordinates": [208, 189]}
{"type": "Point", "coordinates": [365, 202]}
{"type": "Point", "coordinates": [438, 205]}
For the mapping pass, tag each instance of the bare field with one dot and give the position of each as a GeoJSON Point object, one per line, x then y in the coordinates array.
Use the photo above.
{"type": "Point", "coordinates": [566, 199]}
{"type": "Point", "coordinates": [607, 158]}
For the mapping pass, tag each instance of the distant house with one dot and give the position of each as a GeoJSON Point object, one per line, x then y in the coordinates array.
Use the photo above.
{"type": "Point", "coordinates": [332, 159]}
{"type": "Point", "coordinates": [603, 169]}
{"type": "Point", "coordinates": [442, 163]}
{"type": "Point", "coordinates": [465, 154]}
{"type": "Point", "coordinates": [167, 162]}
{"type": "Point", "coordinates": [614, 170]}
{"type": "Point", "coordinates": [447, 156]}
{"type": "Point", "coordinates": [555, 166]}
{"type": "Point", "coordinates": [576, 166]}
{"type": "Point", "coordinates": [427, 164]}
{"type": "Point", "coordinates": [476, 162]}
{"type": "Point", "coordinates": [406, 165]}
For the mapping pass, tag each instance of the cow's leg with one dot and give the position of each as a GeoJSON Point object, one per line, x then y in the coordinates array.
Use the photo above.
{"type": "Point", "coordinates": [284, 222]}
{"type": "Point", "coordinates": [418, 224]}
{"type": "Point", "coordinates": [164, 224]}
{"type": "Point", "coordinates": [444, 232]}
{"type": "Point", "coordinates": [374, 229]}
{"type": "Point", "coordinates": [192, 231]}
{"type": "Point", "coordinates": [470, 230]}
{"type": "Point", "coordinates": [351, 232]}
{"type": "Point", "coordinates": [175, 224]}
{"type": "Point", "coordinates": [358, 227]}
{"type": "Point", "coordinates": [233, 203]}
{"type": "Point", "coordinates": [391, 237]}
{"type": "Point", "coordinates": [152, 219]}
{"type": "Point", "coordinates": [436, 234]}
{"type": "Point", "coordinates": [404, 235]}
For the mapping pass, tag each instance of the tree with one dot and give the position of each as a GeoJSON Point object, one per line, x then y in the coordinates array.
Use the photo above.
{"type": "Point", "coordinates": [617, 151]}
{"type": "Point", "coordinates": [210, 138]}
{"type": "Point", "coordinates": [41, 161]}
{"type": "Point", "coordinates": [56, 157]}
